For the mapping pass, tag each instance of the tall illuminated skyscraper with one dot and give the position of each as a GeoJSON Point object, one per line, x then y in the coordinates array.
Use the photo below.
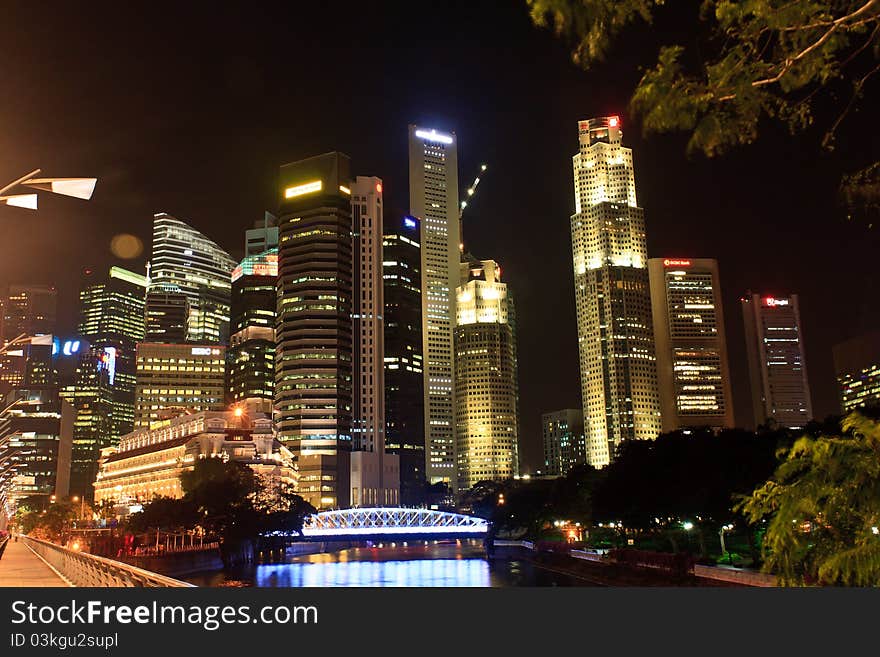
{"type": "Point", "coordinates": [112, 321]}
{"type": "Point", "coordinates": [250, 359]}
{"type": "Point", "coordinates": [692, 365]}
{"type": "Point", "coordinates": [404, 377]}
{"type": "Point", "coordinates": [28, 310]}
{"type": "Point", "coordinates": [857, 366]}
{"type": "Point", "coordinates": [777, 364]}
{"type": "Point", "coordinates": [486, 391]}
{"type": "Point", "coordinates": [313, 336]}
{"type": "Point", "coordinates": [375, 475]}
{"type": "Point", "coordinates": [615, 333]}
{"type": "Point", "coordinates": [186, 261]}
{"type": "Point", "coordinates": [433, 193]}
{"type": "Point", "coordinates": [368, 429]}
{"type": "Point", "coordinates": [103, 394]}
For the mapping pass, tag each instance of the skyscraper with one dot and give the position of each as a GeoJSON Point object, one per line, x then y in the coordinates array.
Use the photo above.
{"type": "Point", "coordinates": [615, 333]}
{"type": "Point", "coordinates": [176, 379]}
{"type": "Point", "coordinates": [692, 365]}
{"type": "Point", "coordinates": [186, 261]}
{"type": "Point", "coordinates": [404, 379]}
{"type": "Point", "coordinates": [486, 391]}
{"type": "Point", "coordinates": [91, 396]}
{"type": "Point", "coordinates": [313, 338]}
{"type": "Point", "coordinates": [375, 476]}
{"type": "Point", "coordinates": [368, 427]}
{"type": "Point", "coordinates": [28, 310]}
{"type": "Point", "coordinates": [112, 321]}
{"type": "Point", "coordinates": [250, 359]}
{"type": "Point", "coordinates": [166, 314]}
{"type": "Point", "coordinates": [564, 442]}
{"type": "Point", "coordinates": [433, 193]}
{"type": "Point", "coordinates": [857, 366]}
{"type": "Point", "coordinates": [777, 365]}
{"type": "Point", "coordinates": [263, 236]}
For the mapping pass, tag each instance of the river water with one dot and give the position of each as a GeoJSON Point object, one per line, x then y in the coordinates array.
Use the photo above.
{"type": "Point", "coordinates": [446, 564]}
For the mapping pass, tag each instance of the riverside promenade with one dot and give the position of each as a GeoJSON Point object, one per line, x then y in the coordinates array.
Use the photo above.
{"type": "Point", "coordinates": [21, 567]}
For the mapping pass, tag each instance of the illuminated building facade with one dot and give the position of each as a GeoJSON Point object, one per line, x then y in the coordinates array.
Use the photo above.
{"type": "Point", "coordinates": [175, 379]}
{"type": "Point", "coordinates": [375, 474]}
{"type": "Point", "coordinates": [691, 345]}
{"type": "Point", "coordinates": [251, 354]}
{"type": "Point", "coordinates": [92, 399]}
{"type": "Point", "coordinates": [28, 310]}
{"type": "Point", "coordinates": [263, 236]}
{"type": "Point", "coordinates": [368, 425]}
{"type": "Point", "coordinates": [564, 441]}
{"type": "Point", "coordinates": [185, 261]}
{"type": "Point", "coordinates": [148, 463]}
{"type": "Point", "coordinates": [777, 364]}
{"type": "Point", "coordinates": [433, 193]}
{"type": "Point", "coordinates": [35, 429]}
{"type": "Point", "coordinates": [612, 297]}
{"type": "Point", "coordinates": [112, 321]}
{"type": "Point", "coordinates": [166, 315]}
{"type": "Point", "coordinates": [313, 338]}
{"type": "Point", "coordinates": [486, 392]}
{"type": "Point", "coordinates": [404, 378]}
{"type": "Point", "coordinates": [857, 366]}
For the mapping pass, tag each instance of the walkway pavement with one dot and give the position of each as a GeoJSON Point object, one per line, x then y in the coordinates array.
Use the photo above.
{"type": "Point", "coordinates": [21, 567]}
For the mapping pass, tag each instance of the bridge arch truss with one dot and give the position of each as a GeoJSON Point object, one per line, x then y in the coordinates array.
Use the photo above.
{"type": "Point", "coordinates": [369, 522]}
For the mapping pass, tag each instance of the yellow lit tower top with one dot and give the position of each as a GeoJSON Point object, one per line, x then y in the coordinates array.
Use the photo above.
{"type": "Point", "coordinates": [603, 174]}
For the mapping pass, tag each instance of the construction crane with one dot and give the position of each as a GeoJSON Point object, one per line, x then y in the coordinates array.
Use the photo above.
{"type": "Point", "coordinates": [470, 192]}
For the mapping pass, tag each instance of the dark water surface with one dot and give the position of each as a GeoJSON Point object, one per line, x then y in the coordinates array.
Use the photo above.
{"type": "Point", "coordinates": [411, 564]}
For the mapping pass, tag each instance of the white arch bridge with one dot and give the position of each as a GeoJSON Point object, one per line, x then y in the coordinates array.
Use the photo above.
{"type": "Point", "coordinates": [378, 523]}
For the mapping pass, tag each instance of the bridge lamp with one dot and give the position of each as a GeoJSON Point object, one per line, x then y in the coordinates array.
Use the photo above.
{"type": "Point", "coordinates": [82, 188]}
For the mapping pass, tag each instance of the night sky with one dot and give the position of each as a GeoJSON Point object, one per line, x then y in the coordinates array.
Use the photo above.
{"type": "Point", "coordinates": [190, 108]}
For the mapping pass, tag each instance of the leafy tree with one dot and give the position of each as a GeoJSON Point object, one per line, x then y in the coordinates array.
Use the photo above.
{"type": "Point", "coordinates": [482, 498]}
{"type": "Point", "coordinates": [691, 476]}
{"type": "Point", "coordinates": [823, 506]}
{"type": "Point", "coordinates": [748, 60]}
{"type": "Point", "coordinates": [50, 523]}
{"type": "Point", "coordinates": [281, 508]}
{"type": "Point", "coordinates": [223, 494]}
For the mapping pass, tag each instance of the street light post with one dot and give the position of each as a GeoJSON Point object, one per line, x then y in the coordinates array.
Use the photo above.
{"type": "Point", "coordinates": [725, 528]}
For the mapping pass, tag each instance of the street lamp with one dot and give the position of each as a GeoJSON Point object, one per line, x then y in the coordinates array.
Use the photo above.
{"type": "Point", "coordinates": [82, 504]}
{"type": "Point", "coordinates": [76, 187]}
{"type": "Point", "coordinates": [725, 528]}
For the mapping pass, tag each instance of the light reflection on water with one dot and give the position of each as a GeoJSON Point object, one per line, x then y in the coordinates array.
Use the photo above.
{"type": "Point", "coordinates": [412, 573]}
{"type": "Point", "coordinates": [420, 564]}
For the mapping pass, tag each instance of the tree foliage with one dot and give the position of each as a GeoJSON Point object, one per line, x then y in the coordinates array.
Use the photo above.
{"type": "Point", "coordinates": [748, 60]}
{"type": "Point", "coordinates": [822, 508]}
{"type": "Point", "coordinates": [50, 523]}
{"type": "Point", "coordinates": [685, 476]}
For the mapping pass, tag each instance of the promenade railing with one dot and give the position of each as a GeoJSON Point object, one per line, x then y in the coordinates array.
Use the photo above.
{"type": "Point", "coordinates": [82, 569]}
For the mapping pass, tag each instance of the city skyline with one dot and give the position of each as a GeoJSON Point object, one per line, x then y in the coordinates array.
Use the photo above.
{"type": "Point", "coordinates": [742, 236]}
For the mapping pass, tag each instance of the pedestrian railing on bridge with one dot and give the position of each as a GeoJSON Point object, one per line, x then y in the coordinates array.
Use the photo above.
{"type": "Point", "coordinates": [81, 569]}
